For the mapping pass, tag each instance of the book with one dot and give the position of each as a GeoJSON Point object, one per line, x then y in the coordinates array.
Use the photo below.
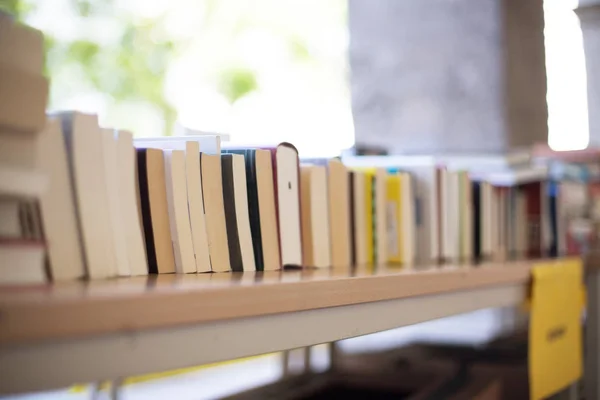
{"type": "Point", "coordinates": [196, 206]}
{"type": "Point", "coordinates": [155, 214]}
{"type": "Point", "coordinates": [409, 219]}
{"type": "Point", "coordinates": [216, 227]}
{"type": "Point", "coordinates": [394, 216]}
{"type": "Point", "coordinates": [265, 189]}
{"type": "Point", "coordinates": [242, 213]}
{"type": "Point", "coordinates": [252, 202]}
{"type": "Point", "coordinates": [10, 222]}
{"type": "Point", "coordinates": [233, 240]}
{"type": "Point", "coordinates": [58, 205]}
{"type": "Point", "coordinates": [177, 203]}
{"type": "Point", "coordinates": [85, 152]}
{"type": "Point", "coordinates": [316, 236]}
{"type": "Point", "coordinates": [21, 47]}
{"type": "Point", "coordinates": [287, 185]}
{"type": "Point", "coordinates": [339, 214]}
{"type": "Point", "coordinates": [360, 246]}
{"type": "Point", "coordinates": [380, 231]}
{"type": "Point", "coordinates": [22, 182]}
{"type": "Point", "coordinates": [23, 96]}
{"type": "Point", "coordinates": [121, 266]}
{"type": "Point", "coordinates": [130, 214]}
{"type": "Point", "coordinates": [22, 262]}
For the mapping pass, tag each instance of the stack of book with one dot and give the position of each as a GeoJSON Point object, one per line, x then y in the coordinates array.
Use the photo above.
{"type": "Point", "coordinates": [23, 97]}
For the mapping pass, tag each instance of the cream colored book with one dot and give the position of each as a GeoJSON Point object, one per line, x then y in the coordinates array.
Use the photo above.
{"type": "Point", "coordinates": [121, 266]}
{"type": "Point", "coordinates": [57, 206]}
{"type": "Point", "coordinates": [212, 188]}
{"type": "Point", "coordinates": [241, 212]}
{"type": "Point", "coordinates": [179, 223]}
{"type": "Point", "coordinates": [267, 210]}
{"type": "Point", "coordinates": [196, 206]}
{"type": "Point", "coordinates": [408, 220]}
{"type": "Point", "coordinates": [86, 154]}
{"type": "Point", "coordinates": [21, 47]}
{"type": "Point", "coordinates": [130, 213]}
{"type": "Point", "coordinates": [316, 238]}
{"type": "Point", "coordinates": [339, 214]}
{"type": "Point", "coordinates": [360, 218]}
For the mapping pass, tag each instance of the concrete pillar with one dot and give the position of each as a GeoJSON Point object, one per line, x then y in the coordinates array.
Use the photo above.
{"type": "Point", "coordinates": [589, 15]}
{"type": "Point", "coordinates": [433, 76]}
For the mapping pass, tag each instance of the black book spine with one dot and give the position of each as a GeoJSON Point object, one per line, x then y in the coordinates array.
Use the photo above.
{"type": "Point", "coordinates": [145, 205]}
{"type": "Point", "coordinates": [352, 221]}
{"type": "Point", "coordinates": [253, 206]}
{"type": "Point", "coordinates": [477, 221]}
{"type": "Point", "coordinates": [233, 240]}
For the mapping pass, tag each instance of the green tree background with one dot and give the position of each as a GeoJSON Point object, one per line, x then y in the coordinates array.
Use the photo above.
{"type": "Point", "coordinates": [143, 56]}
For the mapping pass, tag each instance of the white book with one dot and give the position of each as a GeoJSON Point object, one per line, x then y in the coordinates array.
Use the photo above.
{"type": "Point", "coordinates": [58, 205]}
{"type": "Point", "coordinates": [84, 142]}
{"type": "Point", "coordinates": [288, 200]}
{"type": "Point", "coordinates": [130, 214]}
{"type": "Point", "coordinates": [241, 212]}
{"type": "Point", "coordinates": [196, 206]}
{"type": "Point", "coordinates": [121, 266]}
{"type": "Point", "coordinates": [179, 222]}
{"type": "Point", "coordinates": [209, 144]}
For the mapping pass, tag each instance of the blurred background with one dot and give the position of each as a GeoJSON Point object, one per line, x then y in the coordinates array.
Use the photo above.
{"type": "Point", "coordinates": [263, 71]}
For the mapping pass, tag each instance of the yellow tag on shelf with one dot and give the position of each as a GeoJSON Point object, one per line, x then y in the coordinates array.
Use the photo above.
{"type": "Point", "coordinates": [555, 333]}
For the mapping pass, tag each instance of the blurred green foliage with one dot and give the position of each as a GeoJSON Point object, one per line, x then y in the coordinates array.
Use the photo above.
{"type": "Point", "coordinates": [135, 67]}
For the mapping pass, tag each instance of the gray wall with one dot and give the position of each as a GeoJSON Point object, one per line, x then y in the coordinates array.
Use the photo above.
{"type": "Point", "coordinates": [447, 75]}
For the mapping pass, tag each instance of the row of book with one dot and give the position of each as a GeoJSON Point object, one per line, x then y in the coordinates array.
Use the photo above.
{"type": "Point", "coordinates": [118, 206]}
{"type": "Point", "coordinates": [78, 200]}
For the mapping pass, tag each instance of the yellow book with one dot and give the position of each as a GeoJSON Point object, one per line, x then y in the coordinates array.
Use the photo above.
{"type": "Point", "coordinates": [394, 216]}
{"type": "Point", "coordinates": [369, 208]}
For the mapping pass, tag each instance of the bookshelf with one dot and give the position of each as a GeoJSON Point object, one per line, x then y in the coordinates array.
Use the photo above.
{"type": "Point", "coordinates": [82, 332]}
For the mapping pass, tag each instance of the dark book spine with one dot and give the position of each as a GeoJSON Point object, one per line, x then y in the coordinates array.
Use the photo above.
{"type": "Point", "coordinates": [253, 206]}
{"type": "Point", "coordinates": [233, 241]}
{"type": "Point", "coordinates": [254, 211]}
{"type": "Point", "coordinates": [145, 208]}
{"type": "Point", "coordinates": [352, 220]}
{"type": "Point", "coordinates": [477, 221]}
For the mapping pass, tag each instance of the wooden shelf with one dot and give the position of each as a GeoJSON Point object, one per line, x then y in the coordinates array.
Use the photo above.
{"type": "Point", "coordinates": [79, 332]}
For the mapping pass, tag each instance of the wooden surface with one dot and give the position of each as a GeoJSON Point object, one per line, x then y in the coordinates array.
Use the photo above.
{"type": "Point", "coordinates": [125, 305]}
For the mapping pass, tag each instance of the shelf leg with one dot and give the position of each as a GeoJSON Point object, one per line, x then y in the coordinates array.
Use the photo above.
{"type": "Point", "coordinates": [115, 387]}
{"type": "Point", "coordinates": [285, 363]}
{"type": "Point", "coordinates": [592, 336]}
{"type": "Point", "coordinates": [306, 361]}
{"type": "Point", "coordinates": [333, 355]}
{"type": "Point", "coordinates": [95, 391]}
